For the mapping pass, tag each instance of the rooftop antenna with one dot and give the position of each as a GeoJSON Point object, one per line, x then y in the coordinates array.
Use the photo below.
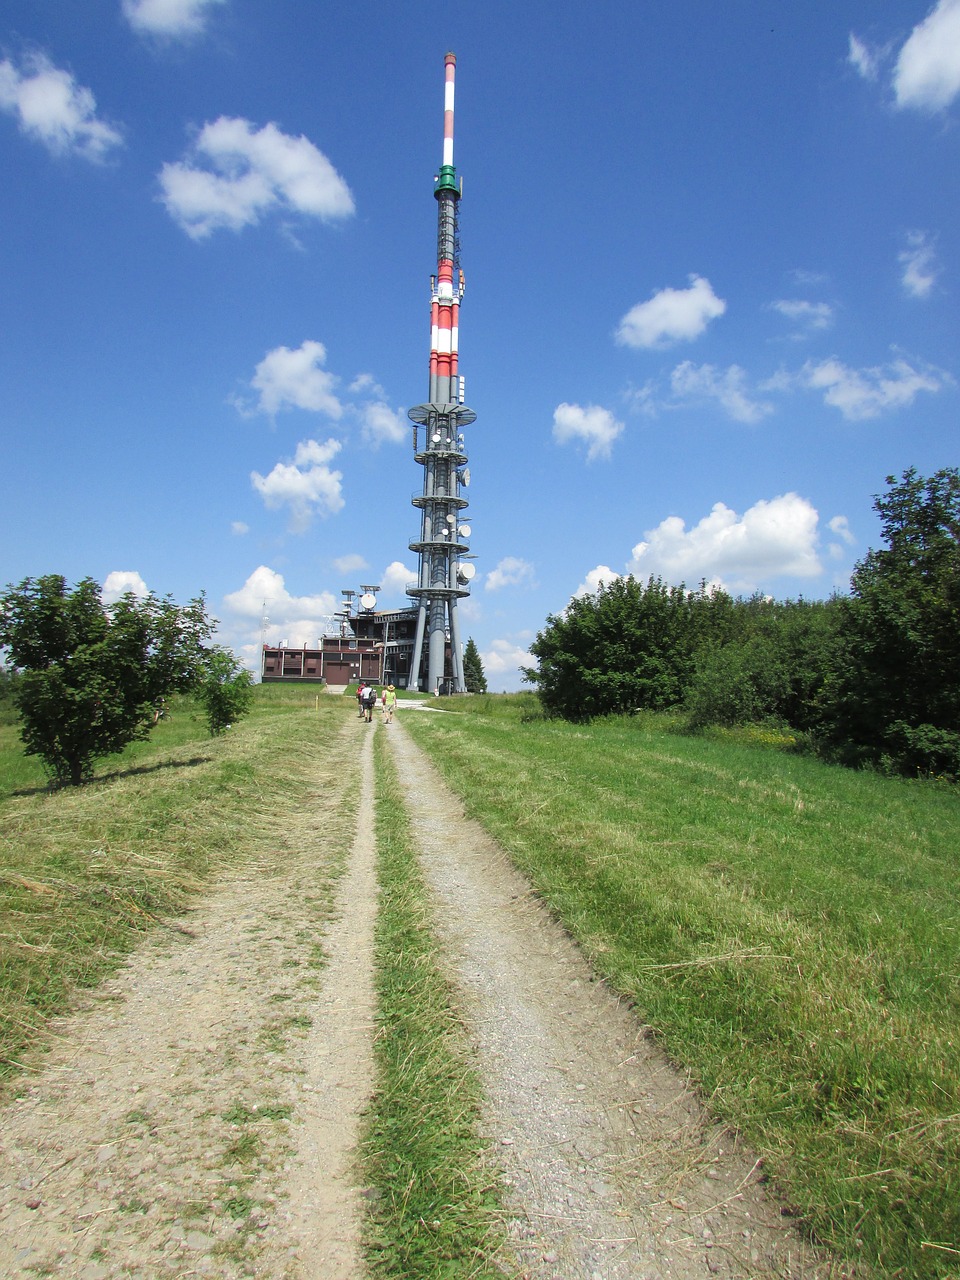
{"type": "Point", "coordinates": [440, 580]}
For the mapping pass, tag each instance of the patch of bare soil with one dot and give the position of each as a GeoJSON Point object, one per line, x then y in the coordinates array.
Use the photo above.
{"type": "Point", "coordinates": [610, 1168]}
{"type": "Point", "coordinates": [200, 1117]}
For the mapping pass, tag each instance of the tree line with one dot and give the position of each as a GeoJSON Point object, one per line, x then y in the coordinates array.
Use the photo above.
{"type": "Point", "coordinates": [870, 678]}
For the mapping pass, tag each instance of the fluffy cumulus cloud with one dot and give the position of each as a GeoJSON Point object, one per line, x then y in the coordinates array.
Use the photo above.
{"type": "Point", "coordinates": [772, 539]}
{"type": "Point", "coordinates": [121, 581]}
{"type": "Point", "coordinates": [236, 173]}
{"type": "Point", "coordinates": [727, 386]}
{"type": "Point", "coordinates": [927, 74]}
{"type": "Point", "coordinates": [502, 662]}
{"type": "Point", "coordinates": [395, 579]}
{"type": "Point", "coordinates": [306, 485]}
{"type": "Point", "coordinates": [379, 424]}
{"type": "Point", "coordinates": [511, 571]}
{"type": "Point", "coordinates": [591, 425]}
{"type": "Point", "coordinates": [865, 393]}
{"type": "Point", "coordinates": [175, 18]}
{"type": "Point", "coordinates": [602, 575]}
{"type": "Point", "coordinates": [264, 607]}
{"type": "Point", "coordinates": [672, 315]}
{"type": "Point", "coordinates": [918, 263]}
{"type": "Point", "coordinates": [52, 108]}
{"type": "Point", "coordinates": [294, 379]}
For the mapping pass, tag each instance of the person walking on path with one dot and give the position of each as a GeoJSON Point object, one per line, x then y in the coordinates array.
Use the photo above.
{"type": "Point", "coordinates": [389, 703]}
{"type": "Point", "coordinates": [369, 698]}
{"type": "Point", "coordinates": [361, 690]}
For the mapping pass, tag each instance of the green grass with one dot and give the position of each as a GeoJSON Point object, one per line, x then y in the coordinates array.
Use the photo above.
{"type": "Point", "coordinates": [434, 1208]}
{"type": "Point", "coordinates": [85, 872]}
{"type": "Point", "coordinates": [791, 932]}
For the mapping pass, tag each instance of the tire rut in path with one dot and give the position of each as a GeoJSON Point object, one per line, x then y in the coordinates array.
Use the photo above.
{"type": "Point", "coordinates": [200, 1116]}
{"type": "Point", "coordinates": [610, 1170]}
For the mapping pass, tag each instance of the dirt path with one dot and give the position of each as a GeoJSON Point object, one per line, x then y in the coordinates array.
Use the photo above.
{"type": "Point", "coordinates": [608, 1164]}
{"type": "Point", "coordinates": [199, 1118]}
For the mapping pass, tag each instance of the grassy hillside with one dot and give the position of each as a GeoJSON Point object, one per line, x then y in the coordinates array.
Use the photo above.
{"type": "Point", "coordinates": [790, 931]}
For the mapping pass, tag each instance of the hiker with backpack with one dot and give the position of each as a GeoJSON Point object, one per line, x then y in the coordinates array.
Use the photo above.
{"type": "Point", "coordinates": [369, 700]}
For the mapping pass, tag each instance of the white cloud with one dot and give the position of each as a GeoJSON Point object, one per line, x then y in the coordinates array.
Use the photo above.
{"type": "Point", "coordinates": [307, 485]}
{"type": "Point", "coordinates": [502, 662]}
{"type": "Point", "coordinates": [286, 379]}
{"type": "Point", "coordinates": [167, 17]}
{"type": "Point", "coordinates": [672, 315]}
{"type": "Point", "coordinates": [807, 315]}
{"type": "Point", "coordinates": [250, 172]}
{"type": "Point", "coordinates": [395, 578]}
{"type": "Point", "coordinates": [727, 387]}
{"type": "Point", "coordinates": [381, 424]}
{"type": "Point", "coordinates": [863, 59]}
{"type": "Point", "coordinates": [510, 572]}
{"type": "Point", "coordinates": [772, 538]}
{"type": "Point", "coordinates": [596, 427]}
{"type": "Point", "coordinates": [927, 73]}
{"type": "Point", "coordinates": [841, 527]}
{"type": "Point", "coordinates": [591, 584]}
{"type": "Point", "coordinates": [350, 564]}
{"type": "Point", "coordinates": [919, 263]}
{"type": "Point", "coordinates": [238, 528]}
{"type": "Point", "coordinates": [52, 108]}
{"type": "Point", "coordinates": [299, 620]}
{"type": "Point", "coordinates": [866, 393]}
{"type": "Point", "coordinates": [119, 582]}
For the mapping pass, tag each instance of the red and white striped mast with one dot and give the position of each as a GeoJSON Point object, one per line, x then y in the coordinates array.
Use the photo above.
{"type": "Point", "coordinates": [445, 568]}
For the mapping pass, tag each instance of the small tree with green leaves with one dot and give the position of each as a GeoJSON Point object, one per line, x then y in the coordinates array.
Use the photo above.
{"type": "Point", "coordinates": [473, 674]}
{"type": "Point", "coordinates": [225, 691]}
{"type": "Point", "coordinates": [89, 676]}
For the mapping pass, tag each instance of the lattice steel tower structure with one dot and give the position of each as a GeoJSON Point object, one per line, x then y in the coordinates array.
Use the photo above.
{"type": "Point", "coordinates": [444, 569]}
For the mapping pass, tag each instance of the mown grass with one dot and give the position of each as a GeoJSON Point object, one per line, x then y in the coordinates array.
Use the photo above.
{"type": "Point", "coordinates": [790, 930]}
{"type": "Point", "coordinates": [434, 1207]}
{"type": "Point", "coordinates": [85, 872]}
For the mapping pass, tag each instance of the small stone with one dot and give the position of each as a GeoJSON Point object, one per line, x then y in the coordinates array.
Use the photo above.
{"type": "Point", "coordinates": [35, 1203]}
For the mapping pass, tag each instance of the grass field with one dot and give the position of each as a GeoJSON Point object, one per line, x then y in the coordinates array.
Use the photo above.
{"type": "Point", "coordinates": [791, 932]}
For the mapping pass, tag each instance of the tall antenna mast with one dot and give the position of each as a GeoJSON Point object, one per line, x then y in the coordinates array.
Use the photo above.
{"type": "Point", "coordinates": [444, 569]}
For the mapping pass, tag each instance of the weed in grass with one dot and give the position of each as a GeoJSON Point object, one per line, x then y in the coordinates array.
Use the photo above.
{"type": "Point", "coordinates": [238, 1206]}
{"type": "Point", "coordinates": [790, 930]}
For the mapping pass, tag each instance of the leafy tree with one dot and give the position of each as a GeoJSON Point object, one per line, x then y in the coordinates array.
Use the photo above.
{"type": "Point", "coordinates": [226, 690]}
{"type": "Point", "coordinates": [894, 688]}
{"type": "Point", "coordinates": [473, 674]}
{"type": "Point", "coordinates": [90, 676]}
{"type": "Point", "coordinates": [630, 646]}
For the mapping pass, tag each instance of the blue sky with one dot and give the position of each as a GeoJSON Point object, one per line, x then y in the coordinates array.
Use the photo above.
{"type": "Point", "coordinates": [711, 257]}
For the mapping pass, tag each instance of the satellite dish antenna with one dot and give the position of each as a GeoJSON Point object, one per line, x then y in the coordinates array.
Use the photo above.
{"type": "Point", "coordinates": [465, 477]}
{"type": "Point", "coordinates": [464, 531]}
{"type": "Point", "coordinates": [451, 519]}
{"type": "Point", "coordinates": [368, 600]}
{"type": "Point", "coordinates": [435, 437]}
{"type": "Point", "coordinates": [466, 572]}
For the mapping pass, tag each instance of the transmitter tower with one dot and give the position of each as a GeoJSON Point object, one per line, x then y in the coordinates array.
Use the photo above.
{"type": "Point", "coordinates": [445, 568]}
